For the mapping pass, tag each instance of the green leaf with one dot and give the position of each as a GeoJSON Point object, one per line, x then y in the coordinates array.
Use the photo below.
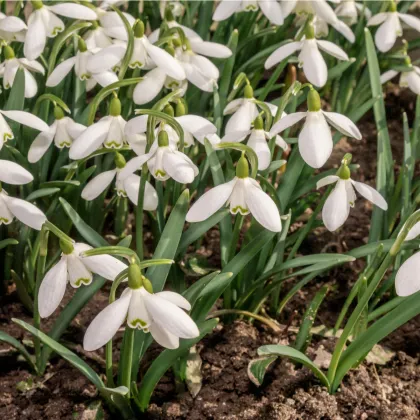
{"type": "Point", "coordinates": [43, 192]}
{"type": "Point", "coordinates": [6, 242]}
{"type": "Point", "coordinates": [164, 361]}
{"type": "Point", "coordinates": [65, 353]}
{"type": "Point", "coordinates": [6, 338]}
{"type": "Point", "coordinates": [258, 367]}
{"type": "Point", "coordinates": [92, 237]}
{"type": "Point", "coordinates": [59, 184]}
{"type": "Point", "coordinates": [296, 356]}
{"type": "Point", "coordinates": [16, 98]}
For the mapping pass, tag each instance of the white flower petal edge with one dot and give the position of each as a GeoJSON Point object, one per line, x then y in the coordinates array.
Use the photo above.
{"type": "Point", "coordinates": [407, 280]}
{"type": "Point", "coordinates": [337, 207]}
{"type": "Point", "coordinates": [370, 194]}
{"type": "Point", "coordinates": [14, 174]}
{"type": "Point", "coordinates": [414, 232]}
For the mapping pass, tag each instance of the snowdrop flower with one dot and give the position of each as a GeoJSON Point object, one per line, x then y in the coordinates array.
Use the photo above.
{"type": "Point", "coordinates": [85, 69]}
{"type": "Point", "coordinates": [20, 117]}
{"type": "Point", "coordinates": [11, 65]}
{"type": "Point", "coordinates": [161, 314]}
{"type": "Point", "coordinates": [337, 207]}
{"type": "Point", "coordinates": [244, 195]}
{"type": "Point", "coordinates": [108, 131]}
{"type": "Point", "coordinates": [407, 280]}
{"type": "Point", "coordinates": [322, 12]}
{"type": "Point", "coordinates": [310, 59]}
{"type": "Point", "coordinates": [126, 186]}
{"type": "Point", "coordinates": [164, 162]}
{"type": "Point", "coordinates": [112, 24]}
{"type": "Point", "coordinates": [43, 23]}
{"type": "Point", "coordinates": [62, 131]}
{"type": "Point", "coordinates": [409, 78]}
{"type": "Point", "coordinates": [271, 9]}
{"type": "Point", "coordinates": [244, 111]}
{"type": "Point", "coordinates": [315, 139]}
{"type": "Point", "coordinates": [11, 207]}
{"type": "Point", "coordinates": [349, 10]}
{"type": "Point", "coordinates": [175, 6]}
{"type": "Point", "coordinates": [390, 26]}
{"type": "Point", "coordinates": [96, 38]}
{"type": "Point", "coordinates": [12, 28]}
{"type": "Point", "coordinates": [74, 269]}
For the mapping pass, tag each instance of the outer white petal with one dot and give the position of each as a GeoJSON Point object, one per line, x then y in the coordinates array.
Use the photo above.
{"type": "Point", "coordinates": [107, 322]}
{"type": "Point", "coordinates": [179, 167]}
{"type": "Point", "coordinates": [32, 65]}
{"type": "Point", "coordinates": [36, 37]}
{"type": "Point", "coordinates": [242, 119]}
{"type": "Point", "coordinates": [96, 186]}
{"type": "Point", "coordinates": [133, 165]}
{"type": "Point", "coordinates": [31, 88]}
{"type": "Point", "coordinates": [40, 145]}
{"type": "Point", "coordinates": [136, 125]}
{"type": "Point", "coordinates": [26, 118]}
{"type": "Point", "coordinates": [14, 174]}
{"type": "Point", "coordinates": [165, 62]}
{"type": "Point", "coordinates": [164, 337]}
{"type": "Point", "coordinates": [132, 185]}
{"type": "Point", "coordinates": [211, 49]}
{"type": "Point", "coordinates": [106, 59]}
{"type": "Point", "coordinates": [225, 9]}
{"type": "Point", "coordinates": [12, 24]}
{"type": "Point", "coordinates": [280, 142]}
{"type": "Point", "coordinates": [386, 35]}
{"type": "Point", "coordinates": [105, 78]}
{"type": "Point", "coordinates": [147, 90]}
{"type": "Point", "coordinates": [196, 125]}
{"type": "Point", "coordinates": [410, 20]}
{"type": "Point", "coordinates": [281, 53]}
{"type": "Point", "coordinates": [233, 106]}
{"type": "Point", "coordinates": [324, 11]}
{"type": "Point", "coordinates": [414, 232]}
{"type": "Point", "coordinates": [330, 179]}
{"type": "Point", "coordinates": [344, 30]}
{"type": "Point", "coordinates": [413, 81]}
{"type": "Point", "coordinates": [286, 122]}
{"type": "Point", "coordinates": [170, 317]}
{"type": "Point", "coordinates": [26, 212]}
{"type": "Point", "coordinates": [114, 26]}
{"type": "Point", "coordinates": [78, 273]}
{"type": "Point", "coordinates": [272, 11]}
{"type": "Point", "coordinates": [388, 75]}
{"type": "Point", "coordinates": [332, 49]}
{"type": "Point", "coordinates": [175, 298]}
{"type": "Point", "coordinates": [91, 139]}
{"type": "Point", "coordinates": [315, 140]}
{"type": "Point", "coordinates": [258, 143]}
{"type": "Point", "coordinates": [343, 124]}
{"type": "Point", "coordinates": [60, 72]}
{"type": "Point", "coordinates": [377, 19]}
{"type": "Point", "coordinates": [73, 128]}
{"type": "Point", "coordinates": [52, 288]}
{"type": "Point", "coordinates": [210, 202]}
{"type": "Point", "coordinates": [138, 316]}
{"type": "Point", "coordinates": [407, 280]}
{"type": "Point", "coordinates": [337, 207]}
{"type": "Point", "coordinates": [370, 194]}
{"type": "Point", "coordinates": [261, 206]}
{"type": "Point", "coordinates": [314, 66]}
{"type": "Point", "coordinates": [74, 11]}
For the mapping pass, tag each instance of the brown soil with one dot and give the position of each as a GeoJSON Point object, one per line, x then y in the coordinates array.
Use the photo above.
{"type": "Point", "coordinates": [382, 392]}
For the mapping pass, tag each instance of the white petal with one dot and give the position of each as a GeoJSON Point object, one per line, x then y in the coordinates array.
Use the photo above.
{"type": "Point", "coordinates": [6, 216]}
{"type": "Point", "coordinates": [165, 62]}
{"type": "Point", "coordinates": [176, 299]}
{"type": "Point", "coordinates": [147, 90]}
{"type": "Point", "coordinates": [344, 30]}
{"type": "Point", "coordinates": [343, 124]}
{"type": "Point", "coordinates": [60, 72]}
{"type": "Point", "coordinates": [210, 202]}
{"type": "Point", "coordinates": [138, 316]}
{"type": "Point", "coordinates": [233, 106]}
{"type": "Point", "coordinates": [107, 322]}
{"type": "Point", "coordinates": [36, 37]}
{"type": "Point", "coordinates": [26, 212]}
{"type": "Point", "coordinates": [388, 75]}
{"type": "Point", "coordinates": [96, 186]}
{"type": "Point", "coordinates": [370, 194]}
{"type": "Point", "coordinates": [258, 143]}
{"type": "Point", "coordinates": [242, 119]}
{"type": "Point", "coordinates": [132, 185]}
{"type": "Point", "coordinates": [52, 288]}
{"type": "Point", "coordinates": [410, 20]}
{"type": "Point", "coordinates": [282, 53]}
{"type": "Point", "coordinates": [74, 11]}
{"type": "Point", "coordinates": [330, 179]}
{"type": "Point", "coordinates": [386, 35]}
{"type": "Point", "coordinates": [26, 118]}
{"type": "Point", "coordinates": [196, 125]}
{"type": "Point", "coordinates": [407, 280]}
{"type": "Point", "coordinates": [105, 78]}
{"type": "Point", "coordinates": [114, 26]}
{"type": "Point", "coordinates": [106, 59]}
{"type": "Point", "coordinates": [78, 273]}
{"type": "Point", "coordinates": [314, 65]}
{"type": "Point", "coordinates": [40, 145]}
{"type": "Point", "coordinates": [337, 207]}
{"type": "Point", "coordinates": [91, 139]}
{"type": "Point", "coordinates": [315, 140]}
{"type": "Point", "coordinates": [136, 125]}
{"type": "Point", "coordinates": [225, 9]}
{"type": "Point", "coordinates": [32, 65]}
{"type": "Point", "coordinates": [14, 174]}
{"type": "Point", "coordinates": [179, 167]}
{"type": "Point", "coordinates": [31, 88]}
{"type": "Point", "coordinates": [164, 337]}
{"type": "Point", "coordinates": [171, 317]}
{"type": "Point", "coordinates": [286, 122]}
{"type": "Point", "coordinates": [332, 49]}
{"type": "Point", "coordinates": [377, 19]}
{"type": "Point", "coordinates": [12, 24]}
{"type": "Point", "coordinates": [262, 207]}
{"type": "Point", "coordinates": [272, 11]}
{"type": "Point", "coordinates": [324, 11]}
{"type": "Point", "coordinates": [53, 24]}
{"type": "Point", "coordinates": [211, 49]}
{"type": "Point", "coordinates": [280, 142]}
{"type": "Point", "coordinates": [133, 165]}
{"type": "Point", "coordinates": [414, 232]}
{"type": "Point", "coordinates": [413, 81]}
{"type": "Point", "coordinates": [73, 128]}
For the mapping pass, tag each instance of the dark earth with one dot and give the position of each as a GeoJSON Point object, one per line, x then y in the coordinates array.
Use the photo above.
{"type": "Point", "coordinates": [390, 391]}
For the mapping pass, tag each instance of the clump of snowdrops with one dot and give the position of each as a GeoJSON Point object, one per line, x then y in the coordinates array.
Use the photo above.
{"type": "Point", "coordinates": [164, 120]}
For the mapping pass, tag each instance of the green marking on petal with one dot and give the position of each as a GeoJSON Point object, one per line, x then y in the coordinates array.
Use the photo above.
{"type": "Point", "coordinates": [173, 85]}
{"type": "Point", "coordinates": [112, 144]}
{"type": "Point", "coordinates": [7, 136]}
{"type": "Point", "coordinates": [81, 281]}
{"type": "Point", "coordinates": [240, 209]}
{"type": "Point", "coordinates": [121, 193]}
{"type": "Point", "coordinates": [85, 76]}
{"type": "Point", "coordinates": [64, 144]}
{"type": "Point", "coordinates": [4, 220]}
{"type": "Point", "coordinates": [137, 323]}
{"type": "Point", "coordinates": [160, 173]}
{"type": "Point", "coordinates": [136, 64]}
{"type": "Point", "coordinates": [57, 30]}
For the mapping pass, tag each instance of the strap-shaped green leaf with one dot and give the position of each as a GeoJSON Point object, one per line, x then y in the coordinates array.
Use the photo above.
{"type": "Point", "coordinates": [258, 367]}
{"type": "Point", "coordinates": [6, 338]}
{"type": "Point", "coordinates": [7, 242]}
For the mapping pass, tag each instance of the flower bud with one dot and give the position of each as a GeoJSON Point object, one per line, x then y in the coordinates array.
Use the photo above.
{"type": "Point", "coordinates": [66, 246]}
{"type": "Point", "coordinates": [115, 107]}
{"type": "Point", "coordinates": [58, 113]}
{"type": "Point", "coordinates": [119, 160]}
{"type": "Point", "coordinates": [248, 92]}
{"type": "Point", "coordinates": [163, 139]}
{"type": "Point", "coordinates": [134, 277]}
{"type": "Point", "coordinates": [147, 284]}
{"type": "Point", "coordinates": [242, 168]}
{"type": "Point", "coordinates": [314, 101]}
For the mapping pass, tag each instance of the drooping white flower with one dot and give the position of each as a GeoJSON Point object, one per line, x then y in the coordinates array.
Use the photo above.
{"type": "Point", "coordinates": [112, 24]}
{"type": "Point", "coordinates": [20, 117]}
{"type": "Point", "coordinates": [409, 78]}
{"type": "Point", "coordinates": [86, 67]}
{"type": "Point", "coordinates": [244, 195]}
{"type": "Point", "coordinates": [43, 23]}
{"type": "Point", "coordinates": [310, 58]}
{"type": "Point", "coordinates": [96, 38]}
{"type": "Point", "coordinates": [390, 26]}
{"type": "Point", "coordinates": [14, 174]}
{"type": "Point", "coordinates": [12, 28]}
{"type": "Point", "coordinates": [315, 139]}
{"type": "Point", "coordinates": [337, 207]}
{"type": "Point", "coordinates": [164, 161]}
{"type": "Point", "coordinates": [162, 314]}
{"type": "Point", "coordinates": [62, 131]}
{"type": "Point", "coordinates": [349, 10]}
{"type": "Point", "coordinates": [11, 65]}
{"type": "Point", "coordinates": [74, 269]}
{"type": "Point", "coordinates": [107, 132]}
{"type": "Point", "coordinates": [271, 9]}
{"type": "Point", "coordinates": [126, 185]}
